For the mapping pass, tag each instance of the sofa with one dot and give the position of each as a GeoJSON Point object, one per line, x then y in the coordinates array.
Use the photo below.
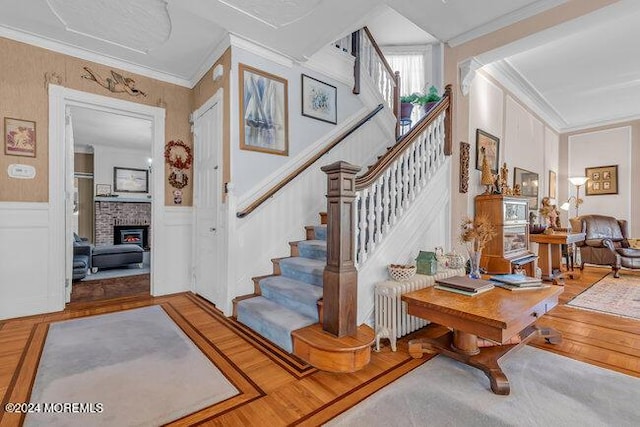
{"type": "Point", "coordinates": [81, 258]}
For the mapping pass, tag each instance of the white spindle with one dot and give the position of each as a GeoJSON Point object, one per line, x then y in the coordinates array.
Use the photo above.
{"type": "Point", "coordinates": [386, 201]}
{"type": "Point", "coordinates": [379, 216]}
{"type": "Point", "coordinates": [371, 217]}
{"type": "Point", "coordinates": [363, 227]}
{"type": "Point", "coordinates": [411, 172]}
{"type": "Point", "coordinates": [393, 192]}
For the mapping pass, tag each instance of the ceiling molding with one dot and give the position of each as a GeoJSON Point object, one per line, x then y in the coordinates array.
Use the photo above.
{"type": "Point", "coordinates": [211, 59]}
{"type": "Point", "coordinates": [600, 123]}
{"type": "Point", "coordinates": [519, 86]}
{"type": "Point", "coordinates": [260, 50]}
{"type": "Point", "coordinates": [504, 21]}
{"type": "Point", "coordinates": [89, 55]}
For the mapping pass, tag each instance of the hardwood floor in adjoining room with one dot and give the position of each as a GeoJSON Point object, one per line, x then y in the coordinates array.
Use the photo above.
{"type": "Point", "coordinates": [277, 389]}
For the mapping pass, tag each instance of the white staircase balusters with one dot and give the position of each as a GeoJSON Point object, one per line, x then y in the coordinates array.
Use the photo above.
{"type": "Point", "coordinates": [383, 203]}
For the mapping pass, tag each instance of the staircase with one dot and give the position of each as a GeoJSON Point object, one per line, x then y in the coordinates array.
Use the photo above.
{"type": "Point", "coordinates": [288, 299]}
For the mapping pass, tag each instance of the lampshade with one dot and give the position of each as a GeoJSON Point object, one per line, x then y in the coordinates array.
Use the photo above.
{"type": "Point", "coordinates": [565, 206]}
{"type": "Point", "coordinates": [578, 180]}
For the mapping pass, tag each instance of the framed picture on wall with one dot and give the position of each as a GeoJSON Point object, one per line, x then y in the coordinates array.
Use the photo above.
{"type": "Point", "coordinates": [487, 146]}
{"type": "Point", "coordinates": [528, 182]}
{"type": "Point", "coordinates": [553, 192]}
{"type": "Point", "coordinates": [19, 137]}
{"type": "Point", "coordinates": [319, 100]}
{"type": "Point", "coordinates": [263, 111]}
{"type": "Point", "coordinates": [103, 190]}
{"type": "Point", "coordinates": [602, 180]}
{"type": "Point", "coordinates": [126, 180]}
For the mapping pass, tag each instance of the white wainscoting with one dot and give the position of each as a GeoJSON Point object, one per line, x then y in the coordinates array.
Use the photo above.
{"type": "Point", "coordinates": [426, 225]}
{"type": "Point", "coordinates": [171, 256]}
{"type": "Point", "coordinates": [27, 261]}
{"type": "Point", "coordinates": [265, 233]}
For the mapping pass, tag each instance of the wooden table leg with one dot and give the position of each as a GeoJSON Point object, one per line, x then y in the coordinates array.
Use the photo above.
{"type": "Point", "coordinates": [460, 345]}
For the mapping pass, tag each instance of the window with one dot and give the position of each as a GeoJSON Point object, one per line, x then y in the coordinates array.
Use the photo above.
{"type": "Point", "coordinates": [412, 71]}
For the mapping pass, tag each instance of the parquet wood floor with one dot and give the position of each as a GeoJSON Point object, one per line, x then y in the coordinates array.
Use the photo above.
{"type": "Point", "coordinates": [277, 389]}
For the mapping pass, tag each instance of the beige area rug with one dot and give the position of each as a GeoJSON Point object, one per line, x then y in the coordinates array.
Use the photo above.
{"type": "Point", "coordinates": [547, 390]}
{"type": "Point", "coordinates": [131, 368]}
{"type": "Point", "coordinates": [620, 297]}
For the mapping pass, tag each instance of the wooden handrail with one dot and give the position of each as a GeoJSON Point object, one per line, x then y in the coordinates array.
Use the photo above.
{"type": "Point", "coordinates": [303, 167]}
{"type": "Point", "coordinates": [381, 165]}
{"type": "Point", "coordinates": [379, 51]}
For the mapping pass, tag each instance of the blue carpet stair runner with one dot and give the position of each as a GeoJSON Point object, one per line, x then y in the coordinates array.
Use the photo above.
{"type": "Point", "coordinates": [288, 301]}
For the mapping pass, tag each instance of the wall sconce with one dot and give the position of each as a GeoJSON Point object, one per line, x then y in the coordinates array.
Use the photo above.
{"type": "Point", "coordinates": [578, 181]}
{"type": "Point", "coordinates": [149, 161]}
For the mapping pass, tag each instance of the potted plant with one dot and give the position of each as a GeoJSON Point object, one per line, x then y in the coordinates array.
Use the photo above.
{"type": "Point", "coordinates": [406, 105]}
{"type": "Point", "coordinates": [428, 100]}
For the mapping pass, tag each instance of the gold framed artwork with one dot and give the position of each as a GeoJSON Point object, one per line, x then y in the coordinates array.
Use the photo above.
{"type": "Point", "coordinates": [263, 111]}
{"type": "Point", "coordinates": [602, 180]}
{"type": "Point", "coordinates": [19, 137]}
{"type": "Point", "coordinates": [487, 146]}
{"type": "Point", "coordinates": [553, 185]}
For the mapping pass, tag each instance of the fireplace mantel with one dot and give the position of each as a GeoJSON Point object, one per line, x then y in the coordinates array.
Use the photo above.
{"type": "Point", "coordinates": [121, 199]}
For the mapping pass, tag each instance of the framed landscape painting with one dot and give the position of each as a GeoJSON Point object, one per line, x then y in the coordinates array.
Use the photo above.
{"type": "Point", "coordinates": [602, 180]}
{"type": "Point", "coordinates": [487, 146]}
{"type": "Point", "coordinates": [263, 111]}
{"type": "Point", "coordinates": [319, 100]}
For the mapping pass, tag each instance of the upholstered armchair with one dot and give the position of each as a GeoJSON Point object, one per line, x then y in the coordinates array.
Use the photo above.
{"type": "Point", "coordinates": [605, 242]}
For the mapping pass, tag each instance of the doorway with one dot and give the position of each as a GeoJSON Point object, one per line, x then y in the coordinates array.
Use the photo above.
{"type": "Point", "coordinates": [61, 101]}
{"type": "Point", "coordinates": [112, 204]}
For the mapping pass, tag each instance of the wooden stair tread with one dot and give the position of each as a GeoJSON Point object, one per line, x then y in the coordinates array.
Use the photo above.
{"type": "Point", "coordinates": [364, 337]}
{"type": "Point", "coordinates": [329, 353]}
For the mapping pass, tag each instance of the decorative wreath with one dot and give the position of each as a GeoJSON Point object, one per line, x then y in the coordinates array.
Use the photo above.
{"type": "Point", "coordinates": [174, 159]}
{"type": "Point", "coordinates": [178, 180]}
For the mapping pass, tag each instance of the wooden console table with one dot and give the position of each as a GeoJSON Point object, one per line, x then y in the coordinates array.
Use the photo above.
{"type": "Point", "coordinates": [550, 252]}
{"type": "Point", "coordinates": [497, 315]}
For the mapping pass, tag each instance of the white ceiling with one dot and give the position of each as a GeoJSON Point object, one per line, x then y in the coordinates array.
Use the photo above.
{"type": "Point", "coordinates": [560, 71]}
{"type": "Point", "coordinates": [583, 73]}
{"type": "Point", "coordinates": [100, 128]}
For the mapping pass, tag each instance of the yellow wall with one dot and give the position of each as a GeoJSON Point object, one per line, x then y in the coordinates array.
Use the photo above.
{"type": "Point", "coordinates": [24, 95]}
{"type": "Point", "coordinates": [204, 90]}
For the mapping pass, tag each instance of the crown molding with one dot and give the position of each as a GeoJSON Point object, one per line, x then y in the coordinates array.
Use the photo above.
{"type": "Point", "coordinates": [602, 123]}
{"type": "Point", "coordinates": [261, 50]}
{"type": "Point", "coordinates": [504, 21]}
{"type": "Point", "coordinates": [518, 85]}
{"type": "Point", "coordinates": [89, 55]}
{"type": "Point", "coordinates": [211, 59]}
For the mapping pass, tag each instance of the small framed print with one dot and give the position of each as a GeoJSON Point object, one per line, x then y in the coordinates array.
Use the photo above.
{"type": "Point", "coordinates": [602, 180]}
{"type": "Point", "coordinates": [19, 137]}
{"type": "Point", "coordinates": [553, 185]}
{"type": "Point", "coordinates": [103, 190]}
{"type": "Point", "coordinates": [319, 100]}
{"type": "Point", "coordinates": [487, 146]}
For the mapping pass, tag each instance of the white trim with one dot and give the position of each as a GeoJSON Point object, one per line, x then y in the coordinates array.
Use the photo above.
{"type": "Point", "coordinates": [504, 21]}
{"type": "Point", "coordinates": [523, 90]}
{"type": "Point", "coordinates": [89, 55]}
{"type": "Point", "coordinates": [261, 50]}
{"type": "Point", "coordinates": [32, 206]}
{"type": "Point", "coordinates": [211, 59]}
{"type": "Point", "coordinates": [467, 70]}
{"type": "Point", "coordinates": [600, 123]}
{"type": "Point", "coordinates": [59, 98]}
{"type": "Point", "coordinates": [410, 49]}
{"type": "Point", "coordinates": [332, 62]}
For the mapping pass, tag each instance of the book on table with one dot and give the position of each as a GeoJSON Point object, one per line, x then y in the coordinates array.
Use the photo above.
{"type": "Point", "coordinates": [460, 291]}
{"type": "Point", "coordinates": [522, 288]}
{"type": "Point", "coordinates": [464, 283]}
{"type": "Point", "coordinates": [516, 280]}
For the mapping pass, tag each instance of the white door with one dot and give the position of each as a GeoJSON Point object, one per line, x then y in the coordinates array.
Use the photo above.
{"type": "Point", "coordinates": [69, 191]}
{"type": "Point", "coordinates": [208, 240]}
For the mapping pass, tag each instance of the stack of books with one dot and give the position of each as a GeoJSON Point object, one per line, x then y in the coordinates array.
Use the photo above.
{"type": "Point", "coordinates": [518, 282]}
{"type": "Point", "coordinates": [464, 285]}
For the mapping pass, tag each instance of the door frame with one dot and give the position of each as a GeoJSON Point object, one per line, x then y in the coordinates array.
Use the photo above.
{"type": "Point", "coordinates": [60, 232]}
{"type": "Point", "coordinates": [217, 98]}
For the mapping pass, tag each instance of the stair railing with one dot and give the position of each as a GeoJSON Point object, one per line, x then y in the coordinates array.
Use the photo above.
{"type": "Point", "coordinates": [362, 211]}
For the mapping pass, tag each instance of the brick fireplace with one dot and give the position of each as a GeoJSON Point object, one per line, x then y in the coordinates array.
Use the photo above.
{"type": "Point", "coordinates": [112, 217]}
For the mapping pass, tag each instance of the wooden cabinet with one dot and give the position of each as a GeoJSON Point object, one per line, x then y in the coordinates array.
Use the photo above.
{"type": "Point", "coordinates": [510, 247]}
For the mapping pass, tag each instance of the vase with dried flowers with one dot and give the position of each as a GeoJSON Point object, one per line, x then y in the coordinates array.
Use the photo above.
{"type": "Point", "coordinates": [475, 234]}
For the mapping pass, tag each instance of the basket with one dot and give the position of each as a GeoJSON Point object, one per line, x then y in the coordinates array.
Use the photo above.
{"type": "Point", "coordinates": [401, 272]}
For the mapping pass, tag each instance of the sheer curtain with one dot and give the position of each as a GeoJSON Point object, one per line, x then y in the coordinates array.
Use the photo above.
{"type": "Point", "coordinates": [412, 73]}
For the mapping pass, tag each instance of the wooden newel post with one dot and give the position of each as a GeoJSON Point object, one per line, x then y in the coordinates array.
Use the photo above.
{"type": "Point", "coordinates": [448, 122]}
{"type": "Point", "coordinates": [340, 295]}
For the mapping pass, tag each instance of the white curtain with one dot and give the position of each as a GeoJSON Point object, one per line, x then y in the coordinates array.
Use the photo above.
{"type": "Point", "coordinates": [411, 68]}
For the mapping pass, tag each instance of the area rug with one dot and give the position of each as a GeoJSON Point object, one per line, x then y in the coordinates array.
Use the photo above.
{"type": "Point", "coordinates": [131, 368]}
{"type": "Point", "coordinates": [620, 297]}
{"type": "Point", "coordinates": [546, 390]}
